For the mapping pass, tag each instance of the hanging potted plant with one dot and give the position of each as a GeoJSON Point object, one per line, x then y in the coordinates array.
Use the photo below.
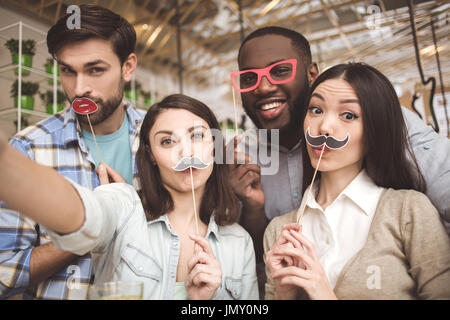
{"type": "Point", "coordinates": [131, 95]}
{"type": "Point", "coordinates": [29, 89]}
{"type": "Point", "coordinates": [50, 69]}
{"type": "Point", "coordinates": [47, 98]}
{"type": "Point", "coordinates": [24, 122]}
{"type": "Point", "coordinates": [28, 51]}
{"type": "Point", "coordinates": [147, 98]}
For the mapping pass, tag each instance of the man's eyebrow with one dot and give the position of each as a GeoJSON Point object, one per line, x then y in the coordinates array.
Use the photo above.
{"type": "Point", "coordinates": [86, 65]}
{"type": "Point", "coordinates": [60, 62]}
{"type": "Point", "coordinates": [95, 62]}
{"type": "Point", "coordinates": [269, 64]}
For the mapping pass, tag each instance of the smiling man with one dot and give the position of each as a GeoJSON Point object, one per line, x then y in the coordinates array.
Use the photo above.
{"type": "Point", "coordinates": [95, 61]}
{"type": "Point", "coordinates": [278, 61]}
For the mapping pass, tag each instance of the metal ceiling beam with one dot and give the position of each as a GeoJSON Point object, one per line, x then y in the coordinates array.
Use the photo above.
{"type": "Point", "coordinates": [172, 31]}
{"type": "Point", "coordinates": [58, 11]}
{"type": "Point", "coordinates": [148, 15]}
{"type": "Point", "coordinates": [156, 31]}
{"type": "Point", "coordinates": [338, 26]}
{"type": "Point", "coordinates": [295, 16]}
{"type": "Point", "coordinates": [231, 4]}
{"type": "Point", "coordinates": [48, 3]}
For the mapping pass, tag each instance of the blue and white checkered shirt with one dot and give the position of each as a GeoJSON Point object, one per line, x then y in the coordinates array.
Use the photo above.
{"type": "Point", "coordinates": [55, 142]}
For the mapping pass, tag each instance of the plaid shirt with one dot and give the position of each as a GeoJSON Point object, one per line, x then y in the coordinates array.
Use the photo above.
{"type": "Point", "coordinates": [55, 142]}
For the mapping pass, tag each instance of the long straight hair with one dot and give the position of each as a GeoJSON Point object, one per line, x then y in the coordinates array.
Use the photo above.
{"type": "Point", "coordinates": [156, 199]}
{"type": "Point", "coordinates": [389, 159]}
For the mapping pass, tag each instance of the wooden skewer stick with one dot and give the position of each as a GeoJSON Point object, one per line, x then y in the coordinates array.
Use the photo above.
{"type": "Point", "coordinates": [310, 186]}
{"type": "Point", "coordinates": [193, 199]}
{"type": "Point", "coordinates": [95, 140]}
{"type": "Point", "coordinates": [235, 112]}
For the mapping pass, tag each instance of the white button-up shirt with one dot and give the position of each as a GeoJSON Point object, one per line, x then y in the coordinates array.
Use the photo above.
{"type": "Point", "coordinates": [341, 230]}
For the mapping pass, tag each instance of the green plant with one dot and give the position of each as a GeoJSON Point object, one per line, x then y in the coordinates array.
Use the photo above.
{"type": "Point", "coordinates": [23, 122]}
{"type": "Point", "coordinates": [28, 46]}
{"type": "Point", "coordinates": [48, 62]}
{"type": "Point", "coordinates": [47, 97]}
{"type": "Point", "coordinates": [28, 88]}
{"type": "Point", "coordinates": [146, 94]}
{"type": "Point", "coordinates": [137, 86]}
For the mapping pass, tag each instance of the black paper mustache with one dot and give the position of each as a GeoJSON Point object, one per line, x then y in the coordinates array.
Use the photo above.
{"type": "Point", "coordinates": [330, 141]}
{"type": "Point", "coordinates": [187, 162]}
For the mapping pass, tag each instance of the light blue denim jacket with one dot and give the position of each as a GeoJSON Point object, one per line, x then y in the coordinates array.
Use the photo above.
{"type": "Point", "coordinates": [126, 247]}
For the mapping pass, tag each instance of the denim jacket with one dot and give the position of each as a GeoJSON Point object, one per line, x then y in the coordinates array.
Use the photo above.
{"type": "Point", "coordinates": [126, 247]}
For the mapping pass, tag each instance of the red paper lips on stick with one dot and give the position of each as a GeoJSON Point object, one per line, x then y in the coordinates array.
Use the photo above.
{"type": "Point", "coordinates": [86, 106]}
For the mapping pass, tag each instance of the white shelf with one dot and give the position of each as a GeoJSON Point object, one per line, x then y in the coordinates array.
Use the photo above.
{"type": "Point", "coordinates": [6, 112]}
{"type": "Point", "coordinates": [22, 31]}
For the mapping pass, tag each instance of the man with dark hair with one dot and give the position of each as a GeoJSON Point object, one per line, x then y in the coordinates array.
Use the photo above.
{"type": "Point", "coordinates": [95, 61]}
{"type": "Point", "coordinates": [273, 106]}
{"type": "Point", "coordinates": [274, 98]}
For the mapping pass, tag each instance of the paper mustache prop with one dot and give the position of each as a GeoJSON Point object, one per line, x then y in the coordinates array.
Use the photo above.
{"type": "Point", "coordinates": [330, 141]}
{"type": "Point", "coordinates": [86, 106]}
{"type": "Point", "coordinates": [190, 162]}
{"type": "Point", "coordinates": [321, 141]}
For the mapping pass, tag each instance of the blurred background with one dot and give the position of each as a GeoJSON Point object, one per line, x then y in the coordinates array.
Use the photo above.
{"type": "Point", "coordinates": [190, 46]}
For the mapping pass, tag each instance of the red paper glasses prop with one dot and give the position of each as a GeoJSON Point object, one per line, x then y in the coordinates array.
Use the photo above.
{"type": "Point", "coordinates": [84, 106]}
{"type": "Point", "coordinates": [277, 73]}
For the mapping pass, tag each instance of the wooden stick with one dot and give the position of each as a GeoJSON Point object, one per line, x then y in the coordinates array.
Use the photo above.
{"type": "Point", "coordinates": [310, 186]}
{"type": "Point", "coordinates": [235, 112]}
{"type": "Point", "coordinates": [95, 140]}
{"type": "Point", "coordinates": [193, 199]}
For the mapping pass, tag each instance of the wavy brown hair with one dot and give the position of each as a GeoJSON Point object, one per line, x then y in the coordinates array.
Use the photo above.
{"type": "Point", "coordinates": [218, 198]}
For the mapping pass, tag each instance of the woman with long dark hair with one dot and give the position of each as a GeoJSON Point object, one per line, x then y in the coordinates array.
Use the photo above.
{"type": "Point", "coordinates": [368, 231]}
{"type": "Point", "coordinates": [159, 241]}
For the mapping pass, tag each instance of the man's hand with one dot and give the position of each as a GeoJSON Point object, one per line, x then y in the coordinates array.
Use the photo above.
{"type": "Point", "coordinates": [245, 180]}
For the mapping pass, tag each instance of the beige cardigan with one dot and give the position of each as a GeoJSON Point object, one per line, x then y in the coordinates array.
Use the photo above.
{"type": "Point", "coordinates": [406, 255]}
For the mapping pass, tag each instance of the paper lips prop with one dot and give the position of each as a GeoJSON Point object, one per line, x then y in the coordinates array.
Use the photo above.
{"type": "Point", "coordinates": [84, 106]}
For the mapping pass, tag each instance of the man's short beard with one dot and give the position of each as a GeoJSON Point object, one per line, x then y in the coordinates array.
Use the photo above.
{"type": "Point", "coordinates": [105, 108]}
{"type": "Point", "coordinates": [296, 114]}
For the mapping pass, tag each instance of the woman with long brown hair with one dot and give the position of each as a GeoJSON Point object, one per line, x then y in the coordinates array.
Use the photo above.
{"type": "Point", "coordinates": [367, 230]}
{"type": "Point", "coordinates": [159, 241]}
